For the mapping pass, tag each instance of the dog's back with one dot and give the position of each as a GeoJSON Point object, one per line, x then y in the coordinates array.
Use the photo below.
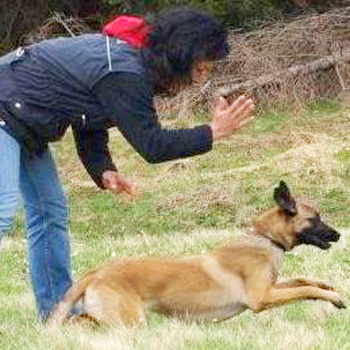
{"type": "Point", "coordinates": [196, 287]}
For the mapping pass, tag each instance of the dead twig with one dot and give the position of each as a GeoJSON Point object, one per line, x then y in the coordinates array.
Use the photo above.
{"type": "Point", "coordinates": [321, 64]}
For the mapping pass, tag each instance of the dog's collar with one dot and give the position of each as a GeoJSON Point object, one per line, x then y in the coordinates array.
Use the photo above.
{"type": "Point", "coordinates": [273, 242]}
{"type": "Point", "coordinates": [278, 244]}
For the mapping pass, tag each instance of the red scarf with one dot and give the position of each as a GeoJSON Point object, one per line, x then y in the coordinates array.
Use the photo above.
{"type": "Point", "coordinates": [131, 29]}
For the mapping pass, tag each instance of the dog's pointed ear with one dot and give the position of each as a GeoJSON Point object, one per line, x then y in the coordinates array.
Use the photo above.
{"type": "Point", "coordinates": [284, 199]}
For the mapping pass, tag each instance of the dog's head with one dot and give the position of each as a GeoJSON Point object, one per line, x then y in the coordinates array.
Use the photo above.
{"type": "Point", "coordinates": [294, 221]}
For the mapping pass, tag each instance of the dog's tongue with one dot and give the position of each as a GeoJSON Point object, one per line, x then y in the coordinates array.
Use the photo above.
{"type": "Point", "coordinates": [131, 29]}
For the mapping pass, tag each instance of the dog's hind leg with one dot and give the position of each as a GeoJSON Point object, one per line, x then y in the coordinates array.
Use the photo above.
{"type": "Point", "coordinates": [109, 306]}
{"type": "Point", "coordinates": [298, 282]}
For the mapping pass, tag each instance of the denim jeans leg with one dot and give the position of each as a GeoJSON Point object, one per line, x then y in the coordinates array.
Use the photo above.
{"type": "Point", "coordinates": [47, 230]}
{"type": "Point", "coordinates": [9, 180]}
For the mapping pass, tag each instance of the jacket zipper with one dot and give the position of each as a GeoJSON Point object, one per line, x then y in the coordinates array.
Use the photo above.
{"type": "Point", "coordinates": [83, 117]}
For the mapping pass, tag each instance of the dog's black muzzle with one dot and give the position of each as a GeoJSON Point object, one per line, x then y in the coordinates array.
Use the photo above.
{"type": "Point", "coordinates": [318, 234]}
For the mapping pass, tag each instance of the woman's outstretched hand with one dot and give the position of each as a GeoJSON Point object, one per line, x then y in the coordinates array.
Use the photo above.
{"type": "Point", "coordinates": [118, 184]}
{"type": "Point", "coordinates": [227, 118]}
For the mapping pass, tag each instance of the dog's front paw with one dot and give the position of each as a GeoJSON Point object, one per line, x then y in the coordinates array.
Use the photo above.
{"type": "Point", "coordinates": [339, 304]}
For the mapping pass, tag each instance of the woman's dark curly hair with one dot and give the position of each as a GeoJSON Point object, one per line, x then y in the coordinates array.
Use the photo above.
{"type": "Point", "coordinates": [178, 39]}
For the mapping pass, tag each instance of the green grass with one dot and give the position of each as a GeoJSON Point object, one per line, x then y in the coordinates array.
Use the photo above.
{"type": "Point", "coordinates": [187, 207]}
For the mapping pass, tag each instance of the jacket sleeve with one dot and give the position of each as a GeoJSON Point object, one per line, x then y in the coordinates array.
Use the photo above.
{"type": "Point", "coordinates": [92, 148]}
{"type": "Point", "coordinates": [128, 101]}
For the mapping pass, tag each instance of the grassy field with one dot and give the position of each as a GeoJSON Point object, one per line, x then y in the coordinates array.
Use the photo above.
{"type": "Point", "coordinates": [189, 206]}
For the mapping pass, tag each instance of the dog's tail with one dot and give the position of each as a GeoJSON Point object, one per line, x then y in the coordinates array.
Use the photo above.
{"type": "Point", "coordinates": [63, 308]}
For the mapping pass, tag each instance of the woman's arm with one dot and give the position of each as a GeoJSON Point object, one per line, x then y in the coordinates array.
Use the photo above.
{"type": "Point", "coordinates": [128, 101]}
{"type": "Point", "coordinates": [92, 148]}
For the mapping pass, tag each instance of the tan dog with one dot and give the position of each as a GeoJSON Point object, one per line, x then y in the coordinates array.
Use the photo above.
{"type": "Point", "coordinates": [214, 286]}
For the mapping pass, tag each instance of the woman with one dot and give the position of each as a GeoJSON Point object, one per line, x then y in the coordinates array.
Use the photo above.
{"type": "Point", "coordinates": [94, 82]}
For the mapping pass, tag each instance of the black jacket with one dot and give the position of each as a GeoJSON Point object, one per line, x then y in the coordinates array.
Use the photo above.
{"type": "Point", "coordinates": [48, 91]}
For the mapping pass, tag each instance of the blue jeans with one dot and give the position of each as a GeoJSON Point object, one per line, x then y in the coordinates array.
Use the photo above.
{"type": "Point", "coordinates": [37, 181]}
